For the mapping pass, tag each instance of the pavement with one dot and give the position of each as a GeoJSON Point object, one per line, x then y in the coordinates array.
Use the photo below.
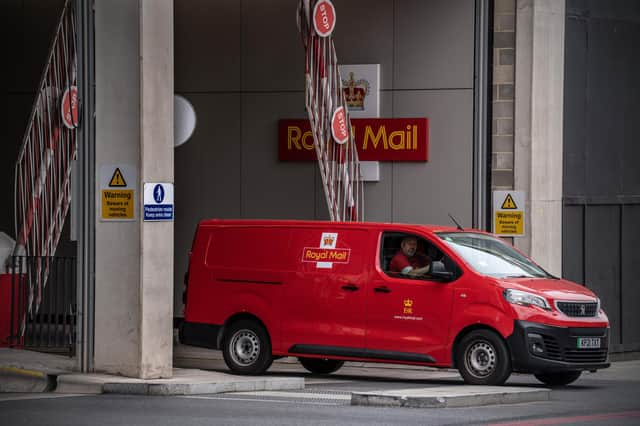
{"type": "Point", "coordinates": [27, 371]}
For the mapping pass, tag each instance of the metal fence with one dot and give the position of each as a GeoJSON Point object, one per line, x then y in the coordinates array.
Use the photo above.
{"type": "Point", "coordinates": [51, 327]}
{"type": "Point", "coordinates": [43, 166]}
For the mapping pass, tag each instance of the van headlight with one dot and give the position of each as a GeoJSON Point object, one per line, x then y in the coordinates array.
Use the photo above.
{"type": "Point", "coordinates": [525, 298]}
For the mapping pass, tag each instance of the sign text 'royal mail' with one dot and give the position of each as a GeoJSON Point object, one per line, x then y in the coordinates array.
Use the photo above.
{"type": "Point", "coordinates": [377, 139]}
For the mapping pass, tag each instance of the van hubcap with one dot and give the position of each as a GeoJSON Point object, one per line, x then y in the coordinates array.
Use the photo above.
{"type": "Point", "coordinates": [245, 347]}
{"type": "Point", "coordinates": [481, 359]}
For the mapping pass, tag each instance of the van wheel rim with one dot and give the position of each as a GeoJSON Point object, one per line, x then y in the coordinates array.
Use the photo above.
{"type": "Point", "coordinates": [245, 347]}
{"type": "Point", "coordinates": [481, 359]}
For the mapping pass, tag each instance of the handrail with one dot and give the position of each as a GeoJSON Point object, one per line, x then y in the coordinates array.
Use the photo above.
{"type": "Point", "coordinates": [43, 167]}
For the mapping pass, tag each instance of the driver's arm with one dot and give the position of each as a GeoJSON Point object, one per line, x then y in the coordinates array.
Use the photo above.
{"type": "Point", "coordinates": [419, 271]}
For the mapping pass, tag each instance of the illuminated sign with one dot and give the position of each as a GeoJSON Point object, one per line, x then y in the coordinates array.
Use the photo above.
{"type": "Point", "coordinates": [377, 139]}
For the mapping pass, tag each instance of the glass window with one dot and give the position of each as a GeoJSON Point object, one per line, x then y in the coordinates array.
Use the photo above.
{"type": "Point", "coordinates": [410, 256]}
{"type": "Point", "coordinates": [491, 256]}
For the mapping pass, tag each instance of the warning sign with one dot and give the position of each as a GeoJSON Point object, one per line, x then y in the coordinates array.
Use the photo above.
{"type": "Point", "coordinates": [508, 213]}
{"type": "Point", "coordinates": [508, 203]}
{"type": "Point", "coordinates": [117, 179]}
{"type": "Point", "coordinates": [117, 204]}
{"type": "Point", "coordinates": [117, 197]}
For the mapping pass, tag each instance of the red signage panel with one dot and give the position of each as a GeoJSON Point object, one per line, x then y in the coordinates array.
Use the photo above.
{"type": "Point", "coordinates": [377, 139]}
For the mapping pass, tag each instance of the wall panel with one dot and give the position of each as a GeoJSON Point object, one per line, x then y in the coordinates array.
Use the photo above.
{"type": "Point", "coordinates": [573, 243]}
{"type": "Point", "coordinates": [427, 192]}
{"type": "Point", "coordinates": [602, 261]}
{"type": "Point", "coordinates": [630, 292]}
{"type": "Point", "coordinates": [602, 64]}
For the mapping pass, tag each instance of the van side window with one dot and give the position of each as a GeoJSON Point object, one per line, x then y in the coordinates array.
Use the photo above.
{"type": "Point", "coordinates": [409, 256]}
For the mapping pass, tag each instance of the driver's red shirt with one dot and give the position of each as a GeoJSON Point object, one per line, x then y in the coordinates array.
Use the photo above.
{"type": "Point", "coordinates": [400, 261]}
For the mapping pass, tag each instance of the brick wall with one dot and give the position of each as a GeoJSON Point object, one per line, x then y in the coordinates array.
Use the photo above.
{"type": "Point", "coordinates": [503, 94]}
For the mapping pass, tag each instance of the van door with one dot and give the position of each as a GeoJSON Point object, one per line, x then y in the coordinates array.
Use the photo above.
{"type": "Point", "coordinates": [408, 317]}
{"type": "Point", "coordinates": [324, 304]}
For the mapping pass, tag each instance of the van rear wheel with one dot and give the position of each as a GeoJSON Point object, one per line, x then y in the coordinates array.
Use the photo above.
{"type": "Point", "coordinates": [247, 348]}
{"type": "Point", "coordinates": [561, 378]}
{"type": "Point", "coordinates": [321, 365]}
{"type": "Point", "coordinates": [483, 358]}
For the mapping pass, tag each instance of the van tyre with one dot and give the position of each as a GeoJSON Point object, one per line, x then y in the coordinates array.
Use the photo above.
{"type": "Point", "coordinates": [561, 378]}
{"type": "Point", "coordinates": [247, 348]}
{"type": "Point", "coordinates": [321, 365]}
{"type": "Point", "coordinates": [483, 358]}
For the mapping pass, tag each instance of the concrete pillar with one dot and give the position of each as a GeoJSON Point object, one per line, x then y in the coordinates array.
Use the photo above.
{"type": "Point", "coordinates": [539, 87]}
{"type": "Point", "coordinates": [156, 146]}
{"type": "Point", "coordinates": [134, 127]}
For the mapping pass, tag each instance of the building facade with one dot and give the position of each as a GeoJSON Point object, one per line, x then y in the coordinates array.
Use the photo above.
{"type": "Point", "coordinates": [529, 95]}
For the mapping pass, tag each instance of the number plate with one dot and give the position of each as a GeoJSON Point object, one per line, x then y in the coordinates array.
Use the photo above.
{"type": "Point", "coordinates": [588, 342]}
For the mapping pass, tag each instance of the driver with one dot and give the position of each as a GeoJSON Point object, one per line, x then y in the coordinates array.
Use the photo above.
{"type": "Point", "coordinates": [407, 261]}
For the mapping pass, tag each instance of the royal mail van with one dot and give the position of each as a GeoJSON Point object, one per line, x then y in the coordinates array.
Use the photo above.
{"type": "Point", "coordinates": [328, 292]}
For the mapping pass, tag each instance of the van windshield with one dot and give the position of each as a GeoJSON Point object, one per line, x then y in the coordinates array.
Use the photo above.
{"type": "Point", "coordinates": [491, 256]}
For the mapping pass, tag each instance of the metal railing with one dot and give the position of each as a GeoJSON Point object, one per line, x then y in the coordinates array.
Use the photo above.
{"type": "Point", "coordinates": [328, 113]}
{"type": "Point", "coordinates": [52, 326]}
{"type": "Point", "coordinates": [43, 167]}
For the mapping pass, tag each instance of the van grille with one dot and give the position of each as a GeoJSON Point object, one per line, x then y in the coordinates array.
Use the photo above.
{"type": "Point", "coordinates": [552, 348]}
{"type": "Point", "coordinates": [587, 356]}
{"type": "Point", "coordinates": [578, 309]}
{"type": "Point", "coordinates": [577, 356]}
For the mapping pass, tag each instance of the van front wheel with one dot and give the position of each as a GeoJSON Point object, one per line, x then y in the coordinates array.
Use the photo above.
{"type": "Point", "coordinates": [321, 365]}
{"type": "Point", "coordinates": [246, 348]}
{"type": "Point", "coordinates": [483, 358]}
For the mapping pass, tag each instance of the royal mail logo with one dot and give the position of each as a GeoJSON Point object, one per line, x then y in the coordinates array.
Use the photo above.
{"type": "Point", "coordinates": [329, 241]}
{"type": "Point", "coordinates": [315, 254]}
{"type": "Point", "coordinates": [376, 139]}
{"type": "Point", "coordinates": [355, 92]}
{"type": "Point", "coordinates": [407, 306]}
{"type": "Point", "coordinates": [327, 254]}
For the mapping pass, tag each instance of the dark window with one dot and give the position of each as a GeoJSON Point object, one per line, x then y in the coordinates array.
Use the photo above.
{"type": "Point", "coordinates": [425, 253]}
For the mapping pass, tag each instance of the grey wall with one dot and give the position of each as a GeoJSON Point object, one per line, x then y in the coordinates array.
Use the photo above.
{"type": "Point", "coordinates": [27, 28]}
{"type": "Point", "coordinates": [601, 217]}
{"type": "Point", "coordinates": [241, 65]}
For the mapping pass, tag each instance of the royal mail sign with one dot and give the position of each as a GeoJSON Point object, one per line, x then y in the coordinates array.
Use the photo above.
{"type": "Point", "coordinates": [377, 139]}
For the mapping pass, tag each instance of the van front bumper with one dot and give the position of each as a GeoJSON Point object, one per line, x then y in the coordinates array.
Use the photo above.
{"type": "Point", "coordinates": [538, 348]}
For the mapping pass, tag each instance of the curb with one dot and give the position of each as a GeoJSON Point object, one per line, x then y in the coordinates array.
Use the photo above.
{"type": "Point", "coordinates": [90, 385]}
{"type": "Point", "coordinates": [163, 389]}
{"type": "Point", "coordinates": [450, 396]}
{"type": "Point", "coordinates": [15, 379]}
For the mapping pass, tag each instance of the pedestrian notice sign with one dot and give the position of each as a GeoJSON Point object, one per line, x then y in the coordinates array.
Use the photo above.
{"type": "Point", "coordinates": [158, 202]}
{"type": "Point", "coordinates": [508, 213]}
{"type": "Point", "coordinates": [117, 192]}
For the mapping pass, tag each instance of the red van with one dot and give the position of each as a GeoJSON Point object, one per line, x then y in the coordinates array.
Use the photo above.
{"type": "Point", "coordinates": [329, 292]}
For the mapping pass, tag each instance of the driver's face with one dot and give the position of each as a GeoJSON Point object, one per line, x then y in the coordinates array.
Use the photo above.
{"type": "Point", "coordinates": [409, 246]}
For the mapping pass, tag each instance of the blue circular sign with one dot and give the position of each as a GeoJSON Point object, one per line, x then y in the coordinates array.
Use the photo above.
{"type": "Point", "coordinates": [158, 193]}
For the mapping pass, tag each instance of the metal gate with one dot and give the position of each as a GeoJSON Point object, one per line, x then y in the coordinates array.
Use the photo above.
{"type": "Point", "coordinates": [52, 326]}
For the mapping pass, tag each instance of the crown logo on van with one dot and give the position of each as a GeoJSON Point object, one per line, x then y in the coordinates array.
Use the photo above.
{"type": "Point", "coordinates": [408, 306]}
{"type": "Point", "coordinates": [328, 241]}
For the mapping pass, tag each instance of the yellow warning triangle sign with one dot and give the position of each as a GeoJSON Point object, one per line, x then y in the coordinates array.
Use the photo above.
{"type": "Point", "coordinates": [508, 203]}
{"type": "Point", "coordinates": [117, 179]}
